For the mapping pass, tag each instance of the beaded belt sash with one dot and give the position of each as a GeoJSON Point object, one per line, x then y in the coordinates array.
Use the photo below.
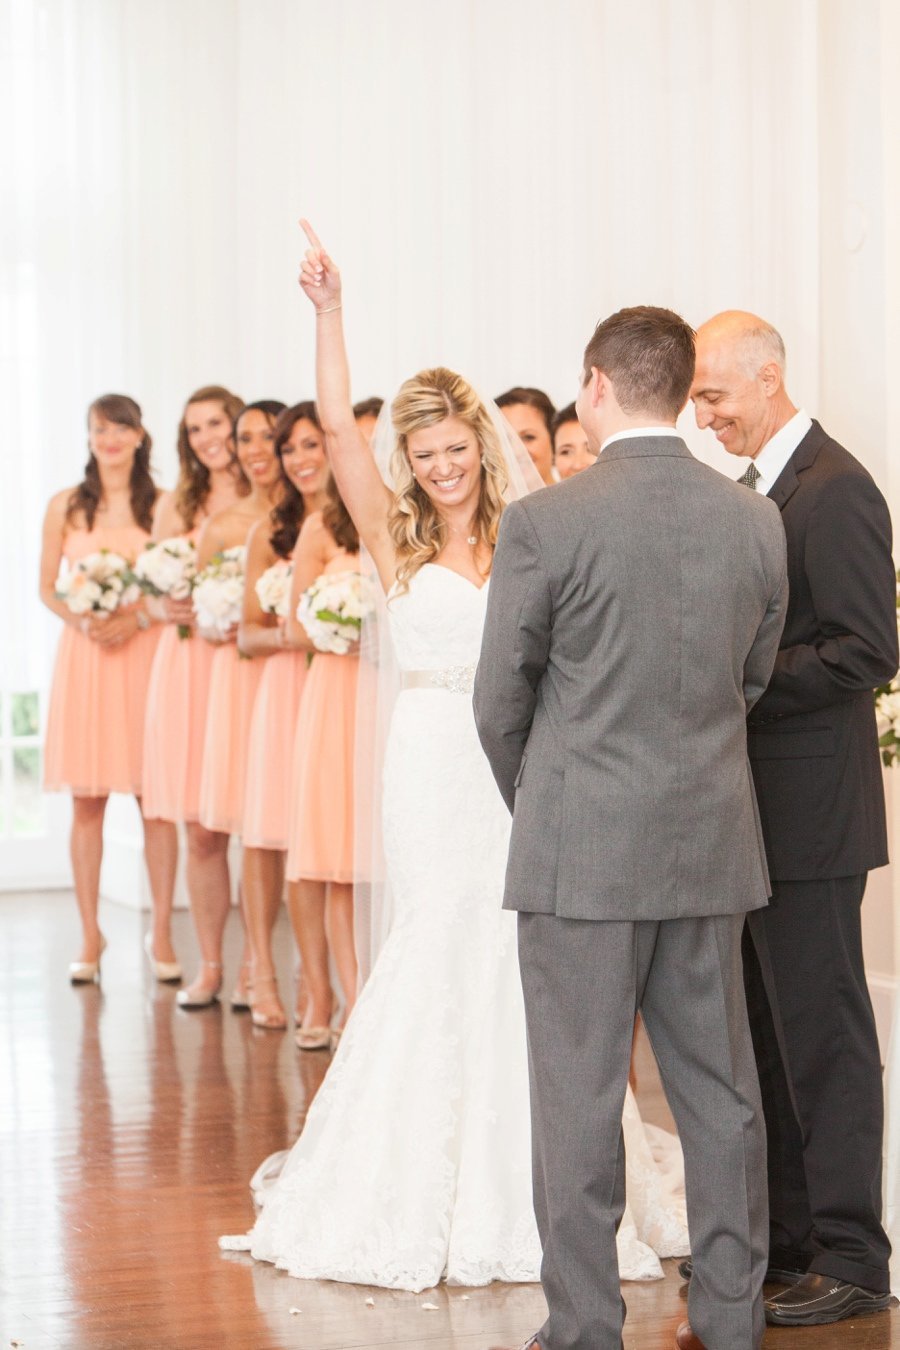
{"type": "Point", "coordinates": [455, 679]}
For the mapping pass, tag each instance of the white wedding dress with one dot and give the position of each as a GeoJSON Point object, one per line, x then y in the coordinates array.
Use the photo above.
{"type": "Point", "coordinates": [415, 1160]}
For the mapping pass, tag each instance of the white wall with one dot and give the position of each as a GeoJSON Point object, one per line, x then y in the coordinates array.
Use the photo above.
{"type": "Point", "coordinates": [889, 89]}
{"type": "Point", "coordinates": [857, 258]}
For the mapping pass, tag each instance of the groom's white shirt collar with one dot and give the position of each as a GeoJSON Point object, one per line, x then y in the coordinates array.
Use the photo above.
{"type": "Point", "coordinates": [775, 453]}
{"type": "Point", "coordinates": [638, 431]}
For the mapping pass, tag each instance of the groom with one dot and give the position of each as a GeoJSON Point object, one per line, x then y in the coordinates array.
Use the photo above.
{"type": "Point", "coordinates": [633, 619]}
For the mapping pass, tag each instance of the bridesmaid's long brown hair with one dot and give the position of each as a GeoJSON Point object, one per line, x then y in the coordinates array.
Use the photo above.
{"type": "Point", "coordinates": [336, 519]}
{"type": "Point", "coordinates": [192, 488]}
{"type": "Point", "coordinates": [87, 496]}
{"type": "Point", "coordinates": [287, 514]}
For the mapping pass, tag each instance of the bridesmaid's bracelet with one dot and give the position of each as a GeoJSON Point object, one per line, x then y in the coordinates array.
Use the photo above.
{"type": "Point", "coordinates": [330, 310]}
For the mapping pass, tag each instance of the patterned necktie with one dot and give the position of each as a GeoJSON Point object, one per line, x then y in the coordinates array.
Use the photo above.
{"type": "Point", "coordinates": [751, 477]}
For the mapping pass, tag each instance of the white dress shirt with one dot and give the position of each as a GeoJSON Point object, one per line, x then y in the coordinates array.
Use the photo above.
{"type": "Point", "coordinates": [775, 453]}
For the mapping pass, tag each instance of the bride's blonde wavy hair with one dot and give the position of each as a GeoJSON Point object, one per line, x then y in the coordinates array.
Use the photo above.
{"type": "Point", "coordinates": [416, 527]}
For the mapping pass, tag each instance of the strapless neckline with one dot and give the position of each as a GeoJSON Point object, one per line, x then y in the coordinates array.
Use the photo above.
{"type": "Point", "coordinates": [439, 567]}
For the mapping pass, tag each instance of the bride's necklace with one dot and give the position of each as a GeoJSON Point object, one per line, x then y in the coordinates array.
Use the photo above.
{"type": "Point", "coordinates": [471, 539]}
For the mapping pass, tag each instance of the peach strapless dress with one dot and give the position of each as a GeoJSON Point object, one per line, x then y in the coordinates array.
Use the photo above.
{"type": "Point", "coordinates": [269, 759]}
{"type": "Point", "coordinates": [176, 723]}
{"type": "Point", "coordinates": [95, 723]}
{"type": "Point", "coordinates": [234, 681]}
{"type": "Point", "coordinates": [320, 839]}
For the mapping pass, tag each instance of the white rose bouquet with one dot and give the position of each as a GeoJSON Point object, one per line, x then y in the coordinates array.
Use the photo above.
{"type": "Point", "coordinates": [887, 711]}
{"type": "Point", "coordinates": [99, 584]}
{"type": "Point", "coordinates": [274, 589]}
{"type": "Point", "coordinates": [168, 568]}
{"type": "Point", "coordinates": [218, 593]}
{"type": "Point", "coordinates": [333, 609]}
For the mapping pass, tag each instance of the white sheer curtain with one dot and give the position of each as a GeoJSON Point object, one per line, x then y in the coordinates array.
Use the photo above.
{"type": "Point", "coordinates": [117, 229]}
{"type": "Point", "coordinates": [118, 226]}
{"type": "Point", "coordinates": [492, 178]}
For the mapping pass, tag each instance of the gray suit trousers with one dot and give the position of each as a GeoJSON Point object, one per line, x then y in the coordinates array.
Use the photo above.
{"type": "Point", "coordinates": [583, 982]}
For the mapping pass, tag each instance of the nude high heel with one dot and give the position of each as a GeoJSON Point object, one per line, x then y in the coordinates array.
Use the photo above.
{"type": "Point", "coordinates": [87, 972]}
{"type": "Point", "coordinates": [269, 1021]}
{"type": "Point", "coordinates": [166, 972]}
{"type": "Point", "coordinates": [317, 1037]}
{"type": "Point", "coordinates": [240, 998]}
{"type": "Point", "coordinates": [186, 998]}
{"type": "Point", "coordinates": [313, 1038]}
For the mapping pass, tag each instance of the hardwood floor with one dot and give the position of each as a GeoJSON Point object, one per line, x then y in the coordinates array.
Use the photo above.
{"type": "Point", "coordinates": [128, 1132]}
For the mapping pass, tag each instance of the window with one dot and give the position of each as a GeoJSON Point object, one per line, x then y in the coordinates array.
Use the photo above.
{"type": "Point", "coordinates": [22, 807]}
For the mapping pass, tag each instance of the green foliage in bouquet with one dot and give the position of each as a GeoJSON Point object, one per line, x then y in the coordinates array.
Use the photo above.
{"type": "Point", "coordinates": [887, 711]}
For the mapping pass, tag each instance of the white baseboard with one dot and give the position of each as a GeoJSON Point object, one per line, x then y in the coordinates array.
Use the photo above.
{"type": "Point", "coordinates": [41, 862]}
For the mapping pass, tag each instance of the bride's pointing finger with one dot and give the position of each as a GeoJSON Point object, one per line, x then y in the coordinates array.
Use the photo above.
{"type": "Point", "coordinates": [311, 235]}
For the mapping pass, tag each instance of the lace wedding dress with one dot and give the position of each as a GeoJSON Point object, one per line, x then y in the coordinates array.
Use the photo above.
{"type": "Point", "coordinates": [415, 1160]}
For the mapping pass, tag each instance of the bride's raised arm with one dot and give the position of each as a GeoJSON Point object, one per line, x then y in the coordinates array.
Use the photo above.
{"type": "Point", "coordinates": [363, 491]}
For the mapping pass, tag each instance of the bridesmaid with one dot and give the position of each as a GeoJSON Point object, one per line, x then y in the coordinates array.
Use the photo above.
{"type": "Point", "coordinates": [209, 480]}
{"type": "Point", "coordinates": [320, 848]}
{"type": "Point", "coordinates": [300, 447]}
{"type": "Point", "coordinates": [365, 415]}
{"type": "Point", "coordinates": [232, 689]}
{"type": "Point", "coordinates": [95, 725]}
{"type": "Point", "coordinates": [571, 452]}
{"type": "Point", "coordinates": [530, 413]}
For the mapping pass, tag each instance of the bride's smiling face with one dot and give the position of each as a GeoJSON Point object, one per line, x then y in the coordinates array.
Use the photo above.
{"type": "Point", "coordinates": [446, 462]}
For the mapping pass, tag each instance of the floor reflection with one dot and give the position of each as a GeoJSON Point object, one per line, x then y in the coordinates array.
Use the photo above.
{"type": "Point", "coordinates": [129, 1130]}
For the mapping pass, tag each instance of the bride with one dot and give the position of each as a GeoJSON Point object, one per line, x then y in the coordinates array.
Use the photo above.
{"type": "Point", "coordinates": [414, 1163]}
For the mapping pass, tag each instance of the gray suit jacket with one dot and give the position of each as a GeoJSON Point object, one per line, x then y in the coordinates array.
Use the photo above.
{"type": "Point", "coordinates": [633, 620]}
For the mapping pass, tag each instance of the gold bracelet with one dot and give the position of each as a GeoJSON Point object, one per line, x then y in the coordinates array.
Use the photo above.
{"type": "Point", "coordinates": [330, 310]}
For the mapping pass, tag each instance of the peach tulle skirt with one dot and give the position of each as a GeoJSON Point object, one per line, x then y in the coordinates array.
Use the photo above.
{"type": "Point", "coordinates": [95, 723]}
{"type": "Point", "coordinates": [232, 689]}
{"type": "Point", "coordinates": [269, 761]}
{"type": "Point", "coordinates": [175, 729]}
{"type": "Point", "coordinates": [320, 840]}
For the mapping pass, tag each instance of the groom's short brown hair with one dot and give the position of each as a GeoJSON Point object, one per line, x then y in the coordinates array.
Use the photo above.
{"type": "Point", "coordinates": [648, 354]}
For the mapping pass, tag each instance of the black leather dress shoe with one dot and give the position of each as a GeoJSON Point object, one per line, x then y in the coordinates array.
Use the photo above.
{"type": "Point", "coordinates": [774, 1274]}
{"type": "Point", "coordinates": [818, 1299]}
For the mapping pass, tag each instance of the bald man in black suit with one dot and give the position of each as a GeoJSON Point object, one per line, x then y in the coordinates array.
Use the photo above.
{"type": "Point", "coordinates": [813, 748]}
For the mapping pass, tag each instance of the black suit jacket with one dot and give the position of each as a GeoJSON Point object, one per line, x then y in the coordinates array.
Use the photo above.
{"type": "Point", "coordinates": [812, 737]}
